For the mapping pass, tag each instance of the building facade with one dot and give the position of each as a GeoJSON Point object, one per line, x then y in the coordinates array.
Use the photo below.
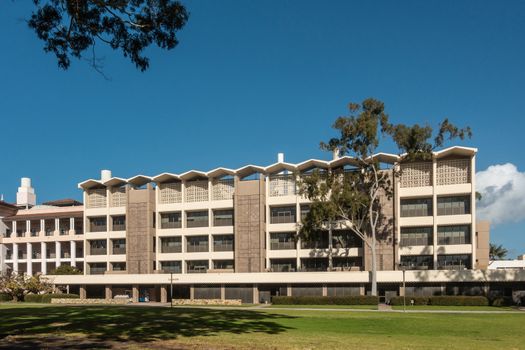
{"type": "Point", "coordinates": [232, 234]}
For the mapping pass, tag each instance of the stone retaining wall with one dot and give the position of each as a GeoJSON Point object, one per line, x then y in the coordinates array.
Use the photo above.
{"type": "Point", "coordinates": [207, 302]}
{"type": "Point", "coordinates": [89, 301]}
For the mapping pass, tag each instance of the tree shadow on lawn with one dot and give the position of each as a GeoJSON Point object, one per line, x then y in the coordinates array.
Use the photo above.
{"type": "Point", "coordinates": [102, 326]}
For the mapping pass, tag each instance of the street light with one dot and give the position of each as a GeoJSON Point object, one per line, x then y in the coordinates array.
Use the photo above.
{"type": "Point", "coordinates": [171, 289]}
{"type": "Point", "coordinates": [403, 268]}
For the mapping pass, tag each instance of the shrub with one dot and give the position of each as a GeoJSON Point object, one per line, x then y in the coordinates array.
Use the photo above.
{"type": "Point", "coordinates": [5, 297]}
{"type": "Point", "coordinates": [417, 300]}
{"type": "Point", "coordinates": [459, 301]}
{"type": "Point", "coordinates": [502, 301]}
{"type": "Point", "coordinates": [46, 298]}
{"type": "Point", "coordinates": [313, 300]}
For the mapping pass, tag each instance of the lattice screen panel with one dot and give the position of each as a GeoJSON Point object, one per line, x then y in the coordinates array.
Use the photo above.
{"type": "Point", "coordinates": [170, 193]}
{"type": "Point", "coordinates": [454, 171]}
{"type": "Point", "coordinates": [196, 191]}
{"type": "Point", "coordinates": [118, 197]}
{"type": "Point", "coordinates": [96, 198]}
{"type": "Point", "coordinates": [222, 189]}
{"type": "Point", "coordinates": [282, 185]}
{"type": "Point", "coordinates": [416, 174]}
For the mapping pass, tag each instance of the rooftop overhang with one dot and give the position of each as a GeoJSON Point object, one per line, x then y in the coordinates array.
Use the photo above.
{"type": "Point", "coordinates": [456, 151]}
{"type": "Point", "coordinates": [278, 167]}
{"type": "Point", "coordinates": [139, 180]}
{"type": "Point", "coordinates": [249, 170]}
{"type": "Point", "coordinates": [343, 161]}
{"type": "Point", "coordinates": [219, 172]}
{"type": "Point", "coordinates": [193, 174]}
{"type": "Point", "coordinates": [313, 163]}
{"type": "Point", "coordinates": [166, 177]}
{"type": "Point", "coordinates": [86, 185]}
{"type": "Point", "coordinates": [115, 181]}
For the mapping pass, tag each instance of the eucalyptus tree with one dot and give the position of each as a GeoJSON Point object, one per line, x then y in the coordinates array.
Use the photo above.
{"type": "Point", "coordinates": [72, 28]}
{"type": "Point", "coordinates": [354, 198]}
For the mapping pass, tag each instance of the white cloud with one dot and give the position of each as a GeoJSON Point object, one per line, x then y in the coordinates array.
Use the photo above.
{"type": "Point", "coordinates": [502, 188]}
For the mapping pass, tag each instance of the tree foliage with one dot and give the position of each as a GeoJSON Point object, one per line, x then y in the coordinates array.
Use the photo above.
{"type": "Point", "coordinates": [66, 270]}
{"type": "Point", "coordinates": [19, 285]}
{"type": "Point", "coordinates": [497, 252]}
{"type": "Point", "coordinates": [353, 198]}
{"type": "Point", "coordinates": [70, 28]}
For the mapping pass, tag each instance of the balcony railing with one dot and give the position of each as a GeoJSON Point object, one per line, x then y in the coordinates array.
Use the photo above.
{"type": "Point", "coordinates": [197, 269]}
{"type": "Point", "coordinates": [36, 255]}
{"type": "Point", "coordinates": [34, 232]}
{"type": "Point", "coordinates": [100, 228]}
{"type": "Point", "coordinates": [223, 247]}
{"type": "Point", "coordinates": [172, 269]}
{"type": "Point", "coordinates": [97, 270]}
{"type": "Point", "coordinates": [171, 224]}
{"type": "Point", "coordinates": [197, 223]}
{"type": "Point", "coordinates": [282, 219]}
{"type": "Point", "coordinates": [65, 255]}
{"type": "Point", "coordinates": [64, 231]}
{"type": "Point", "coordinates": [223, 222]}
{"type": "Point", "coordinates": [119, 250]}
{"type": "Point", "coordinates": [51, 255]}
{"type": "Point", "coordinates": [197, 248]}
{"type": "Point", "coordinates": [98, 251]}
{"type": "Point", "coordinates": [119, 227]}
{"type": "Point", "coordinates": [171, 248]}
{"type": "Point", "coordinates": [282, 245]}
{"type": "Point", "coordinates": [49, 232]}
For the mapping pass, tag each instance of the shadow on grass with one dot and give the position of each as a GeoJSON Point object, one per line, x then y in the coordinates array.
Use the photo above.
{"type": "Point", "coordinates": [102, 327]}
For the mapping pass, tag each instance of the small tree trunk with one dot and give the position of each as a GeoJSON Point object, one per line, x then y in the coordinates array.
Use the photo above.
{"type": "Point", "coordinates": [330, 246]}
{"type": "Point", "coordinates": [374, 264]}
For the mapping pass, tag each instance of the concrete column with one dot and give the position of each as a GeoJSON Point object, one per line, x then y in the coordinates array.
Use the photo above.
{"type": "Point", "coordinates": [43, 254]}
{"type": "Point", "coordinates": [192, 292]}
{"type": "Point", "coordinates": [13, 233]}
{"type": "Point", "coordinates": [29, 249]}
{"type": "Point", "coordinates": [362, 289]}
{"type": "Point", "coordinates": [255, 294]}
{"type": "Point", "coordinates": [163, 293]}
{"type": "Point", "coordinates": [82, 292]}
{"type": "Point", "coordinates": [71, 226]}
{"type": "Point", "coordinates": [289, 290]}
{"type": "Point", "coordinates": [42, 227]}
{"type": "Point", "coordinates": [223, 292]}
{"type": "Point", "coordinates": [325, 290]}
{"type": "Point", "coordinates": [15, 257]}
{"type": "Point", "coordinates": [401, 290]}
{"type": "Point", "coordinates": [28, 228]}
{"type": "Point", "coordinates": [109, 292]}
{"type": "Point", "coordinates": [73, 252]}
{"type": "Point", "coordinates": [57, 253]}
{"type": "Point", "coordinates": [135, 296]}
{"type": "Point", "coordinates": [57, 227]}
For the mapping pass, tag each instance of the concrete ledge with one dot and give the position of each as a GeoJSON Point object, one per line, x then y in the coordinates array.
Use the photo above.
{"type": "Point", "coordinates": [121, 301]}
{"type": "Point", "coordinates": [207, 302]}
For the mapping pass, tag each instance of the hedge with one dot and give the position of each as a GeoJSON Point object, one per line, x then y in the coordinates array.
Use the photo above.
{"type": "Point", "coordinates": [46, 298]}
{"type": "Point", "coordinates": [311, 300]}
{"type": "Point", "coordinates": [5, 297]}
{"type": "Point", "coordinates": [448, 300]}
{"type": "Point", "coordinates": [502, 301]}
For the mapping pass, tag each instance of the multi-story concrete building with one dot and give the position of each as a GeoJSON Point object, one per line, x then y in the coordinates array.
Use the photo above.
{"type": "Point", "coordinates": [232, 234]}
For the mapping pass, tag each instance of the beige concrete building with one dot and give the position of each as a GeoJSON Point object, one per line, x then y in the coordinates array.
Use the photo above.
{"type": "Point", "coordinates": [231, 234]}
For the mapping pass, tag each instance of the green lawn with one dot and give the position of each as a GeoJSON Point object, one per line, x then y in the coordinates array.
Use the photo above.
{"type": "Point", "coordinates": [455, 308]}
{"type": "Point", "coordinates": [140, 327]}
{"type": "Point", "coordinates": [355, 307]}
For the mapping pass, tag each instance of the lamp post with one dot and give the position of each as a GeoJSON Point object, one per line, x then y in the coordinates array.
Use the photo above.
{"type": "Point", "coordinates": [403, 268]}
{"type": "Point", "coordinates": [171, 289]}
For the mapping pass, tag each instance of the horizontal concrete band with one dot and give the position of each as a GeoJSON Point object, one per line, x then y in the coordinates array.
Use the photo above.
{"type": "Point", "coordinates": [431, 276]}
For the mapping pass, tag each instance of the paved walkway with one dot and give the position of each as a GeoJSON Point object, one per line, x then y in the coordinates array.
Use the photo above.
{"type": "Point", "coordinates": [385, 308]}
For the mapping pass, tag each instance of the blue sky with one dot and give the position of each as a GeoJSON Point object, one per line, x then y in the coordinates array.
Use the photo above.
{"type": "Point", "coordinates": [250, 79]}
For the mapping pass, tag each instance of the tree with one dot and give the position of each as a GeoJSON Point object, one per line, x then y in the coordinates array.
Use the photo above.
{"type": "Point", "coordinates": [66, 270]}
{"type": "Point", "coordinates": [353, 198]}
{"type": "Point", "coordinates": [497, 252]}
{"type": "Point", "coordinates": [70, 28]}
{"type": "Point", "coordinates": [19, 285]}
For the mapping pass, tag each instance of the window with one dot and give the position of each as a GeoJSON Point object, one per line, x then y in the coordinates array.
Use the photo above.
{"type": "Point", "coordinates": [119, 223]}
{"type": "Point", "coordinates": [197, 219]}
{"type": "Point", "coordinates": [97, 268]}
{"type": "Point", "coordinates": [411, 236]}
{"type": "Point", "coordinates": [282, 215]}
{"type": "Point", "coordinates": [119, 246]}
{"type": "Point", "coordinates": [118, 266]}
{"type": "Point", "coordinates": [223, 217]}
{"type": "Point", "coordinates": [453, 235]}
{"type": "Point", "coordinates": [305, 209]}
{"type": "Point", "coordinates": [223, 243]}
{"type": "Point", "coordinates": [347, 263]}
{"type": "Point", "coordinates": [417, 262]}
{"type": "Point", "coordinates": [223, 264]}
{"type": "Point", "coordinates": [314, 264]}
{"type": "Point", "coordinates": [171, 220]}
{"type": "Point", "coordinates": [98, 247]}
{"type": "Point", "coordinates": [171, 266]}
{"type": "Point", "coordinates": [457, 205]}
{"type": "Point", "coordinates": [416, 207]}
{"type": "Point", "coordinates": [97, 224]}
{"type": "Point", "coordinates": [197, 244]}
{"type": "Point", "coordinates": [283, 265]}
{"type": "Point", "coordinates": [318, 240]}
{"type": "Point", "coordinates": [454, 262]}
{"type": "Point", "coordinates": [171, 245]}
{"type": "Point", "coordinates": [282, 240]}
{"type": "Point", "coordinates": [197, 266]}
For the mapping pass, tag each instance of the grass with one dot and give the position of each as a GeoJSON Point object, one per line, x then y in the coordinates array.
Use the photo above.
{"type": "Point", "coordinates": [455, 308]}
{"type": "Point", "coordinates": [25, 326]}
{"type": "Point", "coordinates": [353, 307]}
